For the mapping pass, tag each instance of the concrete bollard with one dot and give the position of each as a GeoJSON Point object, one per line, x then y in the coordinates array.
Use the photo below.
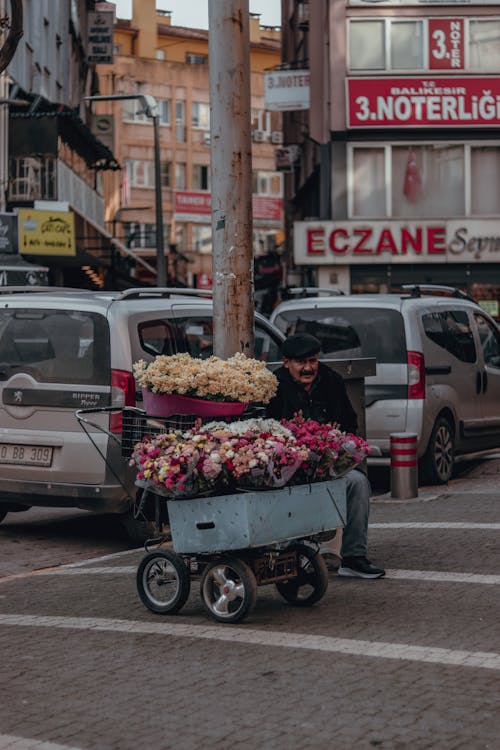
{"type": "Point", "coordinates": [404, 465]}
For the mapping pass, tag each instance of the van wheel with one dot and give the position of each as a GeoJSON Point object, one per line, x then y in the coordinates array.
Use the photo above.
{"type": "Point", "coordinates": [437, 463]}
{"type": "Point", "coordinates": [138, 530]}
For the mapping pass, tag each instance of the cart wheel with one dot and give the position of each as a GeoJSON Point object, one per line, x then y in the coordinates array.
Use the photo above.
{"type": "Point", "coordinates": [311, 582]}
{"type": "Point", "coordinates": [163, 582]}
{"type": "Point", "coordinates": [228, 589]}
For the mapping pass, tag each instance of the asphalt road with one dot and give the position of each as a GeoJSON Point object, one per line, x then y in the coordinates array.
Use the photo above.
{"type": "Point", "coordinates": [410, 661]}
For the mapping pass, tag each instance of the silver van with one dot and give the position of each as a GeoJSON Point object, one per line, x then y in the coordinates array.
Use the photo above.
{"type": "Point", "coordinates": [437, 367]}
{"type": "Point", "coordinates": [63, 350]}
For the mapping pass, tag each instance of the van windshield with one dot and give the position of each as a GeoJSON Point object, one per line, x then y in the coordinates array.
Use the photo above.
{"type": "Point", "coordinates": [55, 346]}
{"type": "Point", "coordinates": [349, 332]}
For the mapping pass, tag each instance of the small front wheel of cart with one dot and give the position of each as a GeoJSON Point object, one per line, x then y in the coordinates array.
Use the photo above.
{"type": "Point", "coordinates": [163, 582]}
{"type": "Point", "coordinates": [228, 589]}
{"type": "Point", "coordinates": [311, 581]}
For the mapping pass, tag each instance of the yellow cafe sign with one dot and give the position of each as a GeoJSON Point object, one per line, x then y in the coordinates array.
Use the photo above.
{"type": "Point", "coordinates": [46, 232]}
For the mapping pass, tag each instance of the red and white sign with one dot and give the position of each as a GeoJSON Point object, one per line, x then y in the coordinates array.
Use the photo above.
{"type": "Point", "coordinates": [190, 205]}
{"type": "Point", "coordinates": [423, 102]}
{"type": "Point", "coordinates": [266, 208]}
{"type": "Point", "coordinates": [196, 206]}
{"type": "Point", "coordinates": [203, 281]}
{"type": "Point", "coordinates": [446, 43]}
{"type": "Point", "coordinates": [366, 242]}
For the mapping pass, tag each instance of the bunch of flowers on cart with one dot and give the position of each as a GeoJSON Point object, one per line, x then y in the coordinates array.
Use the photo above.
{"type": "Point", "coordinates": [245, 454]}
{"type": "Point", "coordinates": [331, 451]}
{"type": "Point", "coordinates": [237, 379]}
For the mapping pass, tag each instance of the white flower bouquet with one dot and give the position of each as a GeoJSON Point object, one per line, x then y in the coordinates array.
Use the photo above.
{"type": "Point", "coordinates": [237, 379]}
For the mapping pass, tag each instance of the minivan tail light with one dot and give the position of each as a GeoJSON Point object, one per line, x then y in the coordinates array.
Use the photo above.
{"type": "Point", "coordinates": [416, 375]}
{"type": "Point", "coordinates": [122, 394]}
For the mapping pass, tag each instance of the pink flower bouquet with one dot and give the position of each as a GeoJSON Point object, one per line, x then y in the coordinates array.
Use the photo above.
{"type": "Point", "coordinates": [331, 452]}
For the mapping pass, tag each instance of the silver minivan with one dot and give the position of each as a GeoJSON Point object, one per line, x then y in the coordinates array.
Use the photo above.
{"type": "Point", "coordinates": [64, 350]}
{"type": "Point", "coordinates": [437, 367]}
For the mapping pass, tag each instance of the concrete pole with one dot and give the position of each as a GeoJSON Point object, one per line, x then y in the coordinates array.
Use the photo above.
{"type": "Point", "coordinates": [4, 127]}
{"type": "Point", "coordinates": [161, 272]}
{"type": "Point", "coordinates": [231, 173]}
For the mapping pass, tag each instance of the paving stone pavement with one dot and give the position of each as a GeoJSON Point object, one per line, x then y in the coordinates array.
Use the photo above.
{"type": "Point", "coordinates": [354, 671]}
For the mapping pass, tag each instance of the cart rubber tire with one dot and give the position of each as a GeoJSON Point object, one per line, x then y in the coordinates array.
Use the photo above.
{"type": "Point", "coordinates": [437, 463]}
{"type": "Point", "coordinates": [163, 582]}
{"type": "Point", "coordinates": [228, 589]}
{"type": "Point", "coordinates": [311, 582]}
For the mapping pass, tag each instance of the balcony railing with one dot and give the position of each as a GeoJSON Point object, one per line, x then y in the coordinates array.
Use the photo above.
{"type": "Point", "coordinates": [47, 178]}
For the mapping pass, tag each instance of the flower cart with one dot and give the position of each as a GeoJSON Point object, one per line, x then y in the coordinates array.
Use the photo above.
{"type": "Point", "coordinates": [226, 508]}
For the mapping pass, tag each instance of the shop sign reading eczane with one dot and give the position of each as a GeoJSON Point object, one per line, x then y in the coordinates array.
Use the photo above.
{"type": "Point", "coordinates": [423, 102]}
{"type": "Point", "coordinates": [357, 242]}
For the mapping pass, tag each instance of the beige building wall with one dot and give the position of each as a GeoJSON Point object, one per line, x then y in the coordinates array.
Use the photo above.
{"type": "Point", "coordinates": [171, 63]}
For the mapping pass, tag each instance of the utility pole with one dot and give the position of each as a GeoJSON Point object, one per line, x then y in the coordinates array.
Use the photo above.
{"type": "Point", "coordinates": [231, 177]}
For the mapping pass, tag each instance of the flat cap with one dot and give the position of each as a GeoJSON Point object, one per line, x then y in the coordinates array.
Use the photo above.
{"type": "Point", "coordinates": [300, 345]}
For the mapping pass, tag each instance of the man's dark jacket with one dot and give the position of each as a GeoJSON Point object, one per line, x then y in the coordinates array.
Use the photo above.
{"type": "Point", "coordinates": [326, 401]}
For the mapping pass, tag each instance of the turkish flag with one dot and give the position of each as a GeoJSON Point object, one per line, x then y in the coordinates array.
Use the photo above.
{"type": "Point", "coordinates": [413, 182]}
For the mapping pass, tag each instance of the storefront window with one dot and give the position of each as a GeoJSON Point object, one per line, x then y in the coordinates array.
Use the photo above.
{"type": "Point", "coordinates": [485, 180]}
{"type": "Point", "coordinates": [368, 182]}
{"type": "Point", "coordinates": [428, 181]}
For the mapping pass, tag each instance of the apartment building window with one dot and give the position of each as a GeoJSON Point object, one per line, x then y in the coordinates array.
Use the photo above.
{"type": "Point", "coordinates": [484, 45]}
{"type": "Point", "coordinates": [386, 44]}
{"type": "Point", "coordinates": [180, 176]}
{"type": "Point", "coordinates": [423, 181]}
{"type": "Point", "coordinates": [132, 111]}
{"type": "Point", "coordinates": [141, 173]}
{"type": "Point", "coordinates": [200, 115]}
{"type": "Point", "coordinates": [139, 235]}
{"type": "Point", "coordinates": [164, 109]}
{"type": "Point", "coordinates": [267, 183]}
{"type": "Point", "coordinates": [202, 238]}
{"type": "Point", "coordinates": [180, 121]}
{"type": "Point", "coordinates": [166, 174]}
{"type": "Point", "coordinates": [201, 177]}
{"type": "Point", "coordinates": [402, 44]}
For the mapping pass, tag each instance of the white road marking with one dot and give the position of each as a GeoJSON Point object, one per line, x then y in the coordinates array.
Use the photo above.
{"type": "Point", "coordinates": [437, 576]}
{"type": "Point", "coordinates": [11, 742]}
{"type": "Point", "coordinates": [437, 525]}
{"type": "Point", "coordinates": [276, 639]}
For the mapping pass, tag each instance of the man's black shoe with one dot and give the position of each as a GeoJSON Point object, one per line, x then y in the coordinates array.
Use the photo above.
{"type": "Point", "coordinates": [359, 567]}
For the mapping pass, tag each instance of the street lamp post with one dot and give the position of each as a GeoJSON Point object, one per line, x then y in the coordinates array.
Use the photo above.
{"type": "Point", "coordinates": [150, 109]}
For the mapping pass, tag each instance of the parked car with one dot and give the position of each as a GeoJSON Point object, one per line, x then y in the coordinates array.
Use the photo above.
{"type": "Point", "coordinates": [437, 367]}
{"type": "Point", "coordinates": [62, 350]}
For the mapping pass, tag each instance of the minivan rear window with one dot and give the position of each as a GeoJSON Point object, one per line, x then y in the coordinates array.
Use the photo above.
{"type": "Point", "coordinates": [347, 332]}
{"type": "Point", "coordinates": [55, 346]}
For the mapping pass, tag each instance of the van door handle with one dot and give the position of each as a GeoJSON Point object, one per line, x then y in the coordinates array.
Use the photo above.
{"type": "Point", "coordinates": [479, 381]}
{"type": "Point", "coordinates": [485, 381]}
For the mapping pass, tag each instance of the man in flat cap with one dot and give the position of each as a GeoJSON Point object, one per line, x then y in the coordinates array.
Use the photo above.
{"type": "Point", "coordinates": [308, 386]}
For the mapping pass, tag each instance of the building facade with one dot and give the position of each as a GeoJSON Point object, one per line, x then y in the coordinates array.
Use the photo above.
{"type": "Point", "coordinates": [52, 174]}
{"type": "Point", "coordinates": [399, 178]}
{"type": "Point", "coordinates": [153, 57]}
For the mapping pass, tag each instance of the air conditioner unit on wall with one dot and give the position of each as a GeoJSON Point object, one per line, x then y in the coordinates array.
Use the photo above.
{"type": "Point", "coordinates": [259, 136]}
{"type": "Point", "coordinates": [276, 136]}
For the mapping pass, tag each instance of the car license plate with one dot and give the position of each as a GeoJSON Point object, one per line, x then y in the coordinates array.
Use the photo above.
{"type": "Point", "coordinates": [27, 455]}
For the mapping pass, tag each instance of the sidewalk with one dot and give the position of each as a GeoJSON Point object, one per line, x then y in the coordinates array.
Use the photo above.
{"type": "Point", "coordinates": [479, 476]}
